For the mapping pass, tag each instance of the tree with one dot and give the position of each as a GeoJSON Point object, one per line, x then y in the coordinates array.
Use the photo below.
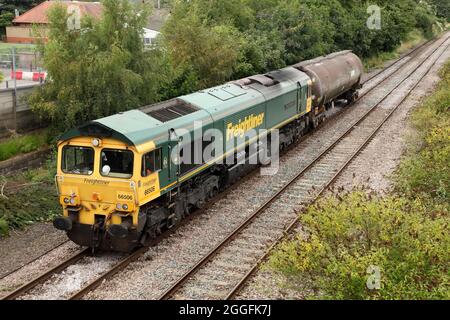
{"type": "Point", "coordinates": [442, 8]}
{"type": "Point", "coordinates": [106, 69]}
{"type": "Point", "coordinates": [9, 6]}
{"type": "Point", "coordinates": [6, 19]}
{"type": "Point", "coordinates": [210, 52]}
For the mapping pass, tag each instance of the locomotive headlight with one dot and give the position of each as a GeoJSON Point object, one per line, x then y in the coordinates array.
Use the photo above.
{"type": "Point", "coordinates": [66, 200]}
{"type": "Point", "coordinates": [122, 207]}
{"type": "Point", "coordinates": [72, 201]}
{"type": "Point", "coordinates": [96, 142]}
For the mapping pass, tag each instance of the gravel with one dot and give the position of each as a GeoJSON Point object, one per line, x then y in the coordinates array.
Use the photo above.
{"type": "Point", "coordinates": [72, 279]}
{"type": "Point", "coordinates": [23, 246]}
{"type": "Point", "coordinates": [36, 268]}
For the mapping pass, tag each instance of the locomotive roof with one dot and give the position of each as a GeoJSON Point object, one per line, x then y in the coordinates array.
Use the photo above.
{"type": "Point", "coordinates": [153, 122]}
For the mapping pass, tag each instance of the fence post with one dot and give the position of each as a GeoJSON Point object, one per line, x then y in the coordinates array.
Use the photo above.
{"type": "Point", "coordinates": [15, 88]}
{"type": "Point", "coordinates": [14, 96]}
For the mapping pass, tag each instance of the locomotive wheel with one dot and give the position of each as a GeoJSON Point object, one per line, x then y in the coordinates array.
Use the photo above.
{"type": "Point", "coordinates": [214, 192]}
{"type": "Point", "coordinates": [189, 209]}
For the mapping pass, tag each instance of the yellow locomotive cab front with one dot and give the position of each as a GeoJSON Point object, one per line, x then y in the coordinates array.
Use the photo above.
{"type": "Point", "coordinates": [96, 182]}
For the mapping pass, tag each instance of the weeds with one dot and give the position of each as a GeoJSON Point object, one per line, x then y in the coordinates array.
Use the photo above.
{"type": "Point", "coordinates": [22, 144]}
{"type": "Point", "coordinates": [28, 197]}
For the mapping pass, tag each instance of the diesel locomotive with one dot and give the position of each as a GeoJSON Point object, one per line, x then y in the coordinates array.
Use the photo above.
{"type": "Point", "coordinates": [119, 183]}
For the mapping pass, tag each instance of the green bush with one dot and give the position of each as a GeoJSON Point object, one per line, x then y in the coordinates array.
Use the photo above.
{"type": "Point", "coordinates": [351, 233]}
{"type": "Point", "coordinates": [261, 35]}
{"type": "Point", "coordinates": [4, 229]}
{"type": "Point", "coordinates": [106, 66]}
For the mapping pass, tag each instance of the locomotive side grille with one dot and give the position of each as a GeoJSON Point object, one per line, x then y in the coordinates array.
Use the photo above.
{"type": "Point", "coordinates": [169, 110]}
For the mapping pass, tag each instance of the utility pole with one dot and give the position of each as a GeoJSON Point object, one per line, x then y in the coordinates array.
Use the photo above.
{"type": "Point", "coordinates": [15, 88]}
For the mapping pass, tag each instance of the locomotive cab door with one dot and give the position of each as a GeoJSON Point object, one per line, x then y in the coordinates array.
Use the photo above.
{"type": "Point", "coordinates": [174, 157]}
{"type": "Point", "coordinates": [301, 98]}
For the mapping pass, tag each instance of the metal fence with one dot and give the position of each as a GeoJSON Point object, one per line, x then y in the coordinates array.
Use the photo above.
{"type": "Point", "coordinates": [15, 114]}
{"type": "Point", "coordinates": [21, 59]}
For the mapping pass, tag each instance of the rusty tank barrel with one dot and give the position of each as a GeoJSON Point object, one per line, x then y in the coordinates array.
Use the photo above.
{"type": "Point", "coordinates": [333, 76]}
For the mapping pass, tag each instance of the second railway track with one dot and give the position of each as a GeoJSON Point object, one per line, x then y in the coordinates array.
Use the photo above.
{"type": "Point", "coordinates": [259, 236]}
{"type": "Point", "coordinates": [223, 271]}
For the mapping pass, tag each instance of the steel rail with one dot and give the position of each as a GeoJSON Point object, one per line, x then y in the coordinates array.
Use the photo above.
{"type": "Point", "coordinates": [43, 277]}
{"type": "Point", "coordinates": [33, 260]}
{"type": "Point", "coordinates": [184, 278]}
{"type": "Point", "coordinates": [108, 274]}
{"type": "Point", "coordinates": [410, 52]}
{"type": "Point", "coordinates": [296, 221]}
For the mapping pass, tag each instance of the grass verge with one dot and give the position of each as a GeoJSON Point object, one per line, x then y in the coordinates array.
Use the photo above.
{"type": "Point", "coordinates": [414, 39]}
{"type": "Point", "coordinates": [22, 144]}
{"type": "Point", "coordinates": [360, 245]}
{"type": "Point", "coordinates": [20, 47]}
{"type": "Point", "coordinates": [27, 198]}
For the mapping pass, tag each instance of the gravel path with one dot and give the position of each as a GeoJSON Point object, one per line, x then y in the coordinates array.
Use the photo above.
{"type": "Point", "coordinates": [372, 168]}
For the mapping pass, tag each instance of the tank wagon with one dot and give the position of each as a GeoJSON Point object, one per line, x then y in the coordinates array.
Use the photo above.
{"type": "Point", "coordinates": [120, 184]}
{"type": "Point", "coordinates": [334, 77]}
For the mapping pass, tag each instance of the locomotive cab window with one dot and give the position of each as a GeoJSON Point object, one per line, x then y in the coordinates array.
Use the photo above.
{"type": "Point", "coordinates": [151, 162]}
{"type": "Point", "coordinates": [116, 163]}
{"type": "Point", "coordinates": [78, 160]}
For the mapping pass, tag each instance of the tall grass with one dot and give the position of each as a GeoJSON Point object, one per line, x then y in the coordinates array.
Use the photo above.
{"type": "Point", "coordinates": [426, 170]}
{"type": "Point", "coordinates": [414, 38]}
{"type": "Point", "coordinates": [22, 144]}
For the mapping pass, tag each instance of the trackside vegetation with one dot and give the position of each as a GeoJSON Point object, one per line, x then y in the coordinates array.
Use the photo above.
{"type": "Point", "coordinates": [405, 235]}
{"type": "Point", "coordinates": [426, 170]}
{"type": "Point", "coordinates": [22, 144]}
{"type": "Point", "coordinates": [28, 197]}
{"type": "Point", "coordinates": [204, 43]}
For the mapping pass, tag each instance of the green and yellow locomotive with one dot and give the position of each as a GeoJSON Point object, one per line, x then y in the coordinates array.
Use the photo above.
{"type": "Point", "coordinates": [119, 182]}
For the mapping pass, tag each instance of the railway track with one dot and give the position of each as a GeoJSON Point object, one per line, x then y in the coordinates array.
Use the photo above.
{"type": "Point", "coordinates": [411, 52]}
{"type": "Point", "coordinates": [47, 275]}
{"type": "Point", "coordinates": [123, 263]}
{"type": "Point", "coordinates": [218, 275]}
{"type": "Point", "coordinates": [33, 260]}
